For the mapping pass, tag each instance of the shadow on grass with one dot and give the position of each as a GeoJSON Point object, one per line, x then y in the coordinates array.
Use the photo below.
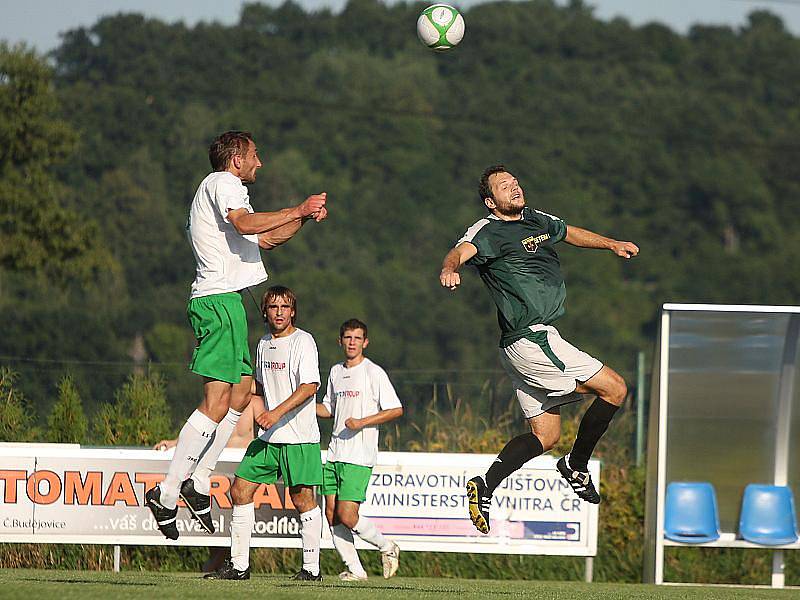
{"type": "Point", "coordinates": [86, 581]}
{"type": "Point", "coordinates": [406, 588]}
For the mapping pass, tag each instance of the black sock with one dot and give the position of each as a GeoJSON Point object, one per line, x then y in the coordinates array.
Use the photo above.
{"type": "Point", "coordinates": [593, 425]}
{"type": "Point", "coordinates": [515, 454]}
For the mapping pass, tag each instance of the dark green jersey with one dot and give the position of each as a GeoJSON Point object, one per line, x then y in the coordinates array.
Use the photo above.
{"type": "Point", "coordinates": [518, 263]}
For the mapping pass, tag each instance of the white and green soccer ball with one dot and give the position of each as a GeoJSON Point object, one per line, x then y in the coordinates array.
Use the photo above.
{"type": "Point", "coordinates": [440, 27]}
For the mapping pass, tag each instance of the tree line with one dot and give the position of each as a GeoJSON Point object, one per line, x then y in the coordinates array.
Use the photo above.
{"type": "Point", "coordinates": [684, 144]}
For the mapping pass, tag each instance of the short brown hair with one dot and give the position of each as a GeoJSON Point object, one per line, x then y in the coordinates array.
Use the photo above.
{"type": "Point", "coordinates": [226, 146]}
{"type": "Point", "coordinates": [352, 324]}
{"type": "Point", "coordinates": [278, 291]}
{"type": "Point", "coordinates": [484, 189]}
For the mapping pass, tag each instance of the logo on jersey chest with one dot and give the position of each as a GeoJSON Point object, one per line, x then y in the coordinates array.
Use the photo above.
{"type": "Point", "coordinates": [347, 394]}
{"type": "Point", "coordinates": [274, 365]}
{"type": "Point", "coordinates": [531, 244]}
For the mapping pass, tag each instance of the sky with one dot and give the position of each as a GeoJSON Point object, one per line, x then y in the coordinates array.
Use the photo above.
{"type": "Point", "coordinates": [39, 22]}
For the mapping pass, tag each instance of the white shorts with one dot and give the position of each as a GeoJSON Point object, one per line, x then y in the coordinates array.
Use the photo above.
{"type": "Point", "coordinates": [546, 372]}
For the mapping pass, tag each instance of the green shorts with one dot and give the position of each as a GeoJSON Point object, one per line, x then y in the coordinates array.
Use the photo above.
{"type": "Point", "coordinates": [297, 464]}
{"type": "Point", "coordinates": [346, 481]}
{"type": "Point", "coordinates": [220, 326]}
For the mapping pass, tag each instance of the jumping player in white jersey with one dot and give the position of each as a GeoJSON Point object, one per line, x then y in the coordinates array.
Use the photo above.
{"type": "Point", "coordinates": [359, 398]}
{"type": "Point", "coordinates": [225, 235]}
{"type": "Point", "coordinates": [287, 446]}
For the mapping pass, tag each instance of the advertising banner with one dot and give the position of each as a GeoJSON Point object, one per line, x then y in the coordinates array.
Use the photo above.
{"type": "Point", "coordinates": [61, 493]}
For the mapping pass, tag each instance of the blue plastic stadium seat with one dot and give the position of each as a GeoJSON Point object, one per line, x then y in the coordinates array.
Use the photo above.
{"type": "Point", "coordinates": [691, 512]}
{"type": "Point", "coordinates": [768, 516]}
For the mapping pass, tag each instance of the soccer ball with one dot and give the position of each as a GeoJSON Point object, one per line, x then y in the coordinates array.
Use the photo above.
{"type": "Point", "coordinates": [440, 27]}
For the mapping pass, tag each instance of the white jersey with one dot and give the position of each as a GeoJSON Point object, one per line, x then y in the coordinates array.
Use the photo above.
{"type": "Point", "coordinates": [227, 261]}
{"type": "Point", "coordinates": [357, 392]}
{"type": "Point", "coordinates": [282, 365]}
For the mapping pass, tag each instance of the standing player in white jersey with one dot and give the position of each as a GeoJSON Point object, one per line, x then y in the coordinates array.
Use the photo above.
{"type": "Point", "coordinates": [287, 446]}
{"type": "Point", "coordinates": [359, 398]}
{"type": "Point", "coordinates": [225, 235]}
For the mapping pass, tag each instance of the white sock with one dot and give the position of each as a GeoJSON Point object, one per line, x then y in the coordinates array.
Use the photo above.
{"type": "Point", "coordinates": [202, 474]}
{"type": "Point", "coordinates": [344, 544]}
{"type": "Point", "coordinates": [193, 439]}
{"type": "Point", "coordinates": [366, 530]}
{"type": "Point", "coordinates": [311, 532]}
{"type": "Point", "coordinates": [242, 521]}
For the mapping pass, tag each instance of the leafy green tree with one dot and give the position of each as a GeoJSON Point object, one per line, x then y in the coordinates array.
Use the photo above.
{"type": "Point", "coordinates": [16, 420]}
{"type": "Point", "coordinates": [38, 234]}
{"type": "Point", "coordinates": [685, 144]}
{"type": "Point", "coordinates": [139, 416]}
{"type": "Point", "coordinates": [67, 422]}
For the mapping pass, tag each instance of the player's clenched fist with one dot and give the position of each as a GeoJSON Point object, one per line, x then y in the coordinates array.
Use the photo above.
{"type": "Point", "coordinates": [267, 419]}
{"type": "Point", "coordinates": [625, 249]}
{"type": "Point", "coordinates": [313, 205]}
{"type": "Point", "coordinates": [450, 279]}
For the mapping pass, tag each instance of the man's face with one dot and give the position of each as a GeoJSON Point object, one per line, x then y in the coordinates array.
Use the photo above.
{"type": "Point", "coordinates": [508, 196]}
{"type": "Point", "coordinates": [353, 342]}
{"type": "Point", "coordinates": [279, 314]}
{"type": "Point", "coordinates": [249, 164]}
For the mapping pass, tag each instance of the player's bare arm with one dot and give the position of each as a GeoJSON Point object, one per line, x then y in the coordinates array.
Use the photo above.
{"type": "Point", "coordinates": [452, 262]}
{"type": "Point", "coordinates": [248, 223]}
{"type": "Point", "coordinates": [378, 418]}
{"type": "Point", "coordinates": [583, 238]}
{"type": "Point", "coordinates": [322, 412]}
{"type": "Point", "coordinates": [303, 393]}
{"type": "Point", "coordinates": [257, 399]}
{"type": "Point", "coordinates": [280, 235]}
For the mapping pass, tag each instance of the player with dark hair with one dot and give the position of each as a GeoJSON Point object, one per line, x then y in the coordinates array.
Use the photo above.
{"type": "Point", "coordinates": [287, 446]}
{"type": "Point", "coordinates": [359, 398]}
{"type": "Point", "coordinates": [513, 249]}
{"type": "Point", "coordinates": [225, 234]}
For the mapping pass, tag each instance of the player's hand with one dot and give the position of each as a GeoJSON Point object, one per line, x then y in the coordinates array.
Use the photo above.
{"type": "Point", "coordinates": [267, 419]}
{"type": "Point", "coordinates": [321, 215]}
{"type": "Point", "coordinates": [450, 279]}
{"type": "Point", "coordinates": [165, 445]}
{"type": "Point", "coordinates": [353, 424]}
{"type": "Point", "coordinates": [625, 249]}
{"type": "Point", "coordinates": [313, 205]}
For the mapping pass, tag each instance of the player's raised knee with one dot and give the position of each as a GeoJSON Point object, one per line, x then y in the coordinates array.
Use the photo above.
{"type": "Point", "coordinates": [619, 389]}
{"type": "Point", "coordinates": [549, 439]}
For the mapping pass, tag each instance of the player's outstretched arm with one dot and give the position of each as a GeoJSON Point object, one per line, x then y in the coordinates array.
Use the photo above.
{"type": "Point", "coordinates": [384, 416]}
{"type": "Point", "coordinates": [452, 262]}
{"type": "Point", "coordinates": [252, 223]}
{"type": "Point", "coordinates": [281, 235]}
{"type": "Point", "coordinates": [583, 238]}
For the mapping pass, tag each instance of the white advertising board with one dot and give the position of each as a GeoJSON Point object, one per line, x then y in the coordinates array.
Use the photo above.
{"type": "Point", "coordinates": [54, 493]}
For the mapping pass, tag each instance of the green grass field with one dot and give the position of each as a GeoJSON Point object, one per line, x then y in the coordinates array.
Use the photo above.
{"type": "Point", "coordinates": [87, 585]}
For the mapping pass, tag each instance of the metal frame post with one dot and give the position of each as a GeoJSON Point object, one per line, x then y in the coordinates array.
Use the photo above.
{"type": "Point", "coordinates": [663, 389]}
{"type": "Point", "coordinates": [783, 428]}
{"type": "Point", "coordinates": [640, 395]}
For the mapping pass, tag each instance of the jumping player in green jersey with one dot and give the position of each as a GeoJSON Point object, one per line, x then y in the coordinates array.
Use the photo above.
{"type": "Point", "coordinates": [513, 249]}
